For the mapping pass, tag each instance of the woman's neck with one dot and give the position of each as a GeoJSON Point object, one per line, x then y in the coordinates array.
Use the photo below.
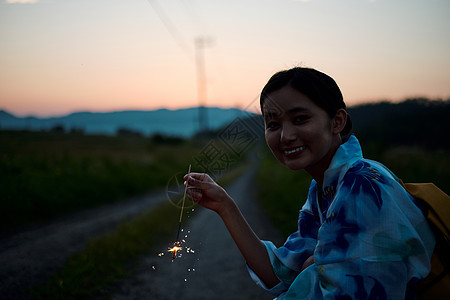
{"type": "Point", "coordinates": [317, 172]}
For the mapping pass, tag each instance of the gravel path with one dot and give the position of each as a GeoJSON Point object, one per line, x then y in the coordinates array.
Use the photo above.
{"type": "Point", "coordinates": [216, 270]}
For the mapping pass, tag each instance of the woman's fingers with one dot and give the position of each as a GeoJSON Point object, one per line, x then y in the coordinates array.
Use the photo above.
{"type": "Point", "coordinates": [197, 180]}
{"type": "Point", "coordinates": [198, 176]}
{"type": "Point", "coordinates": [194, 194]}
{"type": "Point", "coordinates": [205, 191]}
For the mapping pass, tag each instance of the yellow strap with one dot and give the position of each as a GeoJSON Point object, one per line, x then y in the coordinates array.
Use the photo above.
{"type": "Point", "coordinates": [438, 201]}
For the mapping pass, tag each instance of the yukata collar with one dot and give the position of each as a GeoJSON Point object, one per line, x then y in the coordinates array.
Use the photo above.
{"type": "Point", "coordinates": [348, 153]}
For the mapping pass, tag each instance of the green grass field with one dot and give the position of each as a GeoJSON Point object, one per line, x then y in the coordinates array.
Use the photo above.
{"type": "Point", "coordinates": [44, 175]}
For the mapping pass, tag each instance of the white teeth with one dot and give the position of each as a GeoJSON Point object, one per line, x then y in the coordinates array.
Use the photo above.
{"type": "Point", "coordinates": [301, 148]}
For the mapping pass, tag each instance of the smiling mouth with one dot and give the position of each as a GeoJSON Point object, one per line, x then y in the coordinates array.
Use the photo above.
{"type": "Point", "coordinates": [293, 151]}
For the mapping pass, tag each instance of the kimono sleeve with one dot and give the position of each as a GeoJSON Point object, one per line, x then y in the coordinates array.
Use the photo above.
{"type": "Point", "coordinates": [288, 260]}
{"type": "Point", "coordinates": [374, 243]}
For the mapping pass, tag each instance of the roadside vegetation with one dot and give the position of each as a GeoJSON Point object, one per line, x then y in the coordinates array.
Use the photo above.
{"type": "Point", "coordinates": [44, 175]}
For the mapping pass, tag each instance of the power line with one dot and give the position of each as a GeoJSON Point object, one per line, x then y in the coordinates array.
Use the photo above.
{"type": "Point", "coordinates": [192, 14]}
{"type": "Point", "coordinates": [200, 44]}
{"type": "Point", "coordinates": [170, 27]}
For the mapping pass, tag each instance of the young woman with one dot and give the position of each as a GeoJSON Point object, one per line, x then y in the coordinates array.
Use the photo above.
{"type": "Point", "coordinates": [359, 236]}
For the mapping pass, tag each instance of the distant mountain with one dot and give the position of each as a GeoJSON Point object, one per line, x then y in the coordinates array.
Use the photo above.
{"type": "Point", "coordinates": [181, 122]}
{"type": "Point", "coordinates": [6, 116]}
{"type": "Point", "coordinates": [420, 122]}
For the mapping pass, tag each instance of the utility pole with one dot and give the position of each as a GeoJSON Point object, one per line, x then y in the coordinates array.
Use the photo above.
{"type": "Point", "coordinates": [200, 44]}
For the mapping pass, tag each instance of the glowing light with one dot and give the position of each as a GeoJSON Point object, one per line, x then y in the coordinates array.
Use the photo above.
{"type": "Point", "coordinates": [176, 247]}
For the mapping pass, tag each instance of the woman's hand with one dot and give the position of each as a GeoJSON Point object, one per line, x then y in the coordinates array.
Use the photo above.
{"type": "Point", "coordinates": [203, 190]}
{"type": "Point", "coordinates": [206, 192]}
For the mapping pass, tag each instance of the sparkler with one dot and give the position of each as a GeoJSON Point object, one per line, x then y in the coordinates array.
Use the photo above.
{"type": "Point", "coordinates": [177, 245]}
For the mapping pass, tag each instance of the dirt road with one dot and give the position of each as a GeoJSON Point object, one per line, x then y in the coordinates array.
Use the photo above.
{"type": "Point", "coordinates": [216, 269]}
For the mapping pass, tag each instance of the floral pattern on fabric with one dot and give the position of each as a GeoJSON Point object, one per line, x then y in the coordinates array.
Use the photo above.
{"type": "Point", "coordinates": [368, 239]}
{"type": "Point", "coordinates": [362, 178]}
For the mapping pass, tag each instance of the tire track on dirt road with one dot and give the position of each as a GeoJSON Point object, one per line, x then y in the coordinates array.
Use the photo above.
{"type": "Point", "coordinates": [216, 270]}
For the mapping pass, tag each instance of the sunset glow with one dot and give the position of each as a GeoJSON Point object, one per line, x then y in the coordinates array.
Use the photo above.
{"type": "Point", "coordinates": [62, 56]}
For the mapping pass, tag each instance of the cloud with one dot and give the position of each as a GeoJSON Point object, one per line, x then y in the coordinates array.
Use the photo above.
{"type": "Point", "coordinates": [21, 1]}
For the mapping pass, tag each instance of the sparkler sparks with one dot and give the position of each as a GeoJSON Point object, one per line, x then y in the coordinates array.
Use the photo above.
{"type": "Point", "coordinates": [177, 245]}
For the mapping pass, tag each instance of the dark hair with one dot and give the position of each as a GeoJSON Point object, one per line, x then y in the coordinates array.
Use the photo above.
{"type": "Point", "coordinates": [317, 86]}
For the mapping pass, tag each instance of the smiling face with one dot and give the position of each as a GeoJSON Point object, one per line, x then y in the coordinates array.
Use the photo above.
{"type": "Point", "coordinates": [300, 134]}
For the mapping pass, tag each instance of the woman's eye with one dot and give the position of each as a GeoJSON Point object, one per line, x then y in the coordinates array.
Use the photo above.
{"type": "Point", "coordinates": [301, 118]}
{"type": "Point", "coordinates": [271, 125]}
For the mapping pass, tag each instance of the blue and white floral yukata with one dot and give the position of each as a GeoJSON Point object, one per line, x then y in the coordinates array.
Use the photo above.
{"type": "Point", "coordinates": [368, 238]}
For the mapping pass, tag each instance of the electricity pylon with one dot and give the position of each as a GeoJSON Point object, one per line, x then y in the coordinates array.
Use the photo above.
{"type": "Point", "coordinates": [200, 44]}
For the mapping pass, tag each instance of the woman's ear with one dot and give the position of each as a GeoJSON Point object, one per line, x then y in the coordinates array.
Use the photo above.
{"type": "Point", "coordinates": [339, 121]}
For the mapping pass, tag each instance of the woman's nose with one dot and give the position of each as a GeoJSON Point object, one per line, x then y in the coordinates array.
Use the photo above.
{"type": "Point", "coordinates": [287, 134]}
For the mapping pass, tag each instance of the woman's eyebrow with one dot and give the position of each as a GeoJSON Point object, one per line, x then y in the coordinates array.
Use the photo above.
{"type": "Point", "coordinates": [297, 109]}
{"type": "Point", "coordinates": [274, 114]}
{"type": "Point", "coordinates": [270, 114]}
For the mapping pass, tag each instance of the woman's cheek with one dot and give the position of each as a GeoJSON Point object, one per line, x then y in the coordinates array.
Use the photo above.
{"type": "Point", "coordinates": [271, 140]}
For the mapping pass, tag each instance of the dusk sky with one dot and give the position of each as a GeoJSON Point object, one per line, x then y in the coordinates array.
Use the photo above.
{"type": "Point", "coordinates": [63, 56]}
